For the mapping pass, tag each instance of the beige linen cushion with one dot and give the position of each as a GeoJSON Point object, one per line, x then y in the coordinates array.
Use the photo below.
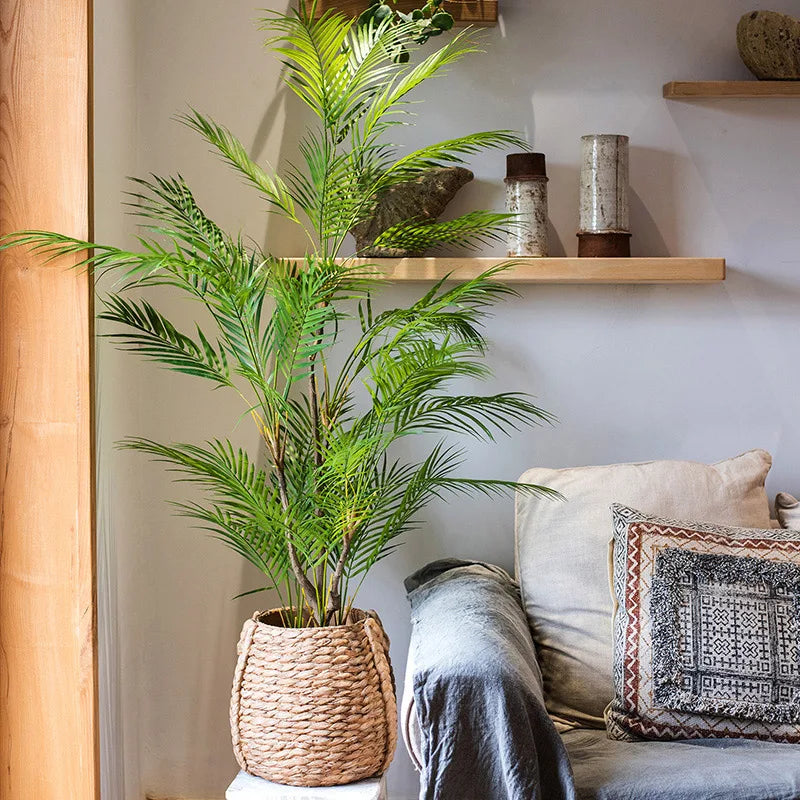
{"type": "Point", "coordinates": [562, 558]}
{"type": "Point", "coordinates": [787, 510]}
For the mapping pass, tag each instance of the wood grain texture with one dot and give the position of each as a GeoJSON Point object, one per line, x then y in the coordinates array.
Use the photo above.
{"type": "Point", "coordinates": [48, 728]}
{"type": "Point", "coordinates": [557, 270]}
{"type": "Point", "coordinates": [684, 90]}
{"type": "Point", "coordinates": [480, 13]}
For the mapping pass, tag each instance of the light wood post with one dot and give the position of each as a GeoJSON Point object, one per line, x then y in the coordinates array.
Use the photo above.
{"type": "Point", "coordinates": [48, 728]}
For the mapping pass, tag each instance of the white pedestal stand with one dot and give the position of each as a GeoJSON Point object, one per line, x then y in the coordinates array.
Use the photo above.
{"type": "Point", "coordinates": [248, 787]}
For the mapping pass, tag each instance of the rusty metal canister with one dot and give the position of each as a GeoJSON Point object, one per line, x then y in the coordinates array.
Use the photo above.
{"type": "Point", "coordinates": [526, 197]}
{"type": "Point", "coordinates": [604, 216]}
{"type": "Point", "coordinates": [604, 184]}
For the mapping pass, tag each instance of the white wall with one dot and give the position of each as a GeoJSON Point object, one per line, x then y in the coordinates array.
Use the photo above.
{"type": "Point", "coordinates": [115, 157]}
{"type": "Point", "coordinates": [632, 372]}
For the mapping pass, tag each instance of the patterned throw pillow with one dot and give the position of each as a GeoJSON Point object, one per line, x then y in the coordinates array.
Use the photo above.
{"type": "Point", "coordinates": [706, 631]}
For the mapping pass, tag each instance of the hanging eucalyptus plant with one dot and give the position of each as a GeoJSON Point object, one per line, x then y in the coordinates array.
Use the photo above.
{"type": "Point", "coordinates": [430, 19]}
{"type": "Point", "coordinates": [334, 496]}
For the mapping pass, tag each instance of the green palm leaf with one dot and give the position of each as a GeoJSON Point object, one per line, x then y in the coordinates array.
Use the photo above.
{"type": "Point", "coordinates": [150, 333]}
{"type": "Point", "coordinates": [272, 188]}
{"type": "Point", "coordinates": [469, 230]}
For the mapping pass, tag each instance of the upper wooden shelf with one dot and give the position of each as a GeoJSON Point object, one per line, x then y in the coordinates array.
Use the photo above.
{"type": "Point", "coordinates": [557, 270]}
{"type": "Point", "coordinates": [481, 13]}
{"type": "Point", "coordinates": [685, 90]}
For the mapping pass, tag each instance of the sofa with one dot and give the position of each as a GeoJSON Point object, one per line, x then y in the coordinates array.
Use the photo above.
{"type": "Point", "coordinates": [508, 680]}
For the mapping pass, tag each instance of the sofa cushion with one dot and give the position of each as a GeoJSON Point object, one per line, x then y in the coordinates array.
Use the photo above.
{"type": "Point", "coordinates": [710, 769]}
{"type": "Point", "coordinates": [562, 558]}
{"type": "Point", "coordinates": [706, 642]}
{"type": "Point", "coordinates": [787, 510]}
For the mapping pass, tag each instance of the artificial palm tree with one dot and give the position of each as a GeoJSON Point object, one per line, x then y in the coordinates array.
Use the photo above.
{"type": "Point", "coordinates": [333, 497]}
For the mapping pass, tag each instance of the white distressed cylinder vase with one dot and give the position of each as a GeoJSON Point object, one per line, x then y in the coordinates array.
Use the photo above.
{"type": "Point", "coordinates": [526, 198]}
{"type": "Point", "coordinates": [604, 184]}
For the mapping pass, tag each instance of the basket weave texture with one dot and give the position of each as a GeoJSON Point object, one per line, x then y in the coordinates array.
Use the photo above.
{"type": "Point", "coordinates": [314, 706]}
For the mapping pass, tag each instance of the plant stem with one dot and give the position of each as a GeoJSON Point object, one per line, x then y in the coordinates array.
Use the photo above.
{"type": "Point", "coordinates": [334, 605]}
{"type": "Point", "coordinates": [299, 572]}
{"type": "Point", "coordinates": [318, 457]}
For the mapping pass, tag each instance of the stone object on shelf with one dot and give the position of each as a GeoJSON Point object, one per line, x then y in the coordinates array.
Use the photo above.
{"type": "Point", "coordinates": [423, 199]}
{"type": "Point", "coordinates": [769, 44]}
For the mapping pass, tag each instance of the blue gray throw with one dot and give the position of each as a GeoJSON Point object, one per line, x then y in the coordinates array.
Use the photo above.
{"type": "Point", "coordinates": [478, 690]}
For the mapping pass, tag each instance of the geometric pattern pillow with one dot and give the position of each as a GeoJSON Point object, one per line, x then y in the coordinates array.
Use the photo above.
{"type": "Point", "coordinates": [706, 631]}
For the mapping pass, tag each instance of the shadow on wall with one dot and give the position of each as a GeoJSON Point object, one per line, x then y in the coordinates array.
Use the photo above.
{"type": "Point", "coordinates": [651, 168]}
{"type": "Point", "coordinates": [745, 132]}
{"type": "Point", "coordinates": [283, 238]}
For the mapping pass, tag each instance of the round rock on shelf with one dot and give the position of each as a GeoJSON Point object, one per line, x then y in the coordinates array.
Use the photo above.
{"type": "Point", "coordinates": [769, 44]}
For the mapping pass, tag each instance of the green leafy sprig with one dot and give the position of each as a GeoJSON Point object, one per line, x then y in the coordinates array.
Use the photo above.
{"type": "Point", "coordinates": [430, 19]}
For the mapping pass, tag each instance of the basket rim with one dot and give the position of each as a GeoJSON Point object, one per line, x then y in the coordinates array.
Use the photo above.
{"type": "Point", "coordinates": [258, 618]}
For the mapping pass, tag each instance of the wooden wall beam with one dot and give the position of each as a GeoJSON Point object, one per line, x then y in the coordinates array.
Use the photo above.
{"type": "Point", "coordinates": [48, 710]}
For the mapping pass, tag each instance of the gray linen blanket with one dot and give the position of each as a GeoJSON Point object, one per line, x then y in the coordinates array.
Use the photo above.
{"type": "Point", "coordinates": [478, 690]}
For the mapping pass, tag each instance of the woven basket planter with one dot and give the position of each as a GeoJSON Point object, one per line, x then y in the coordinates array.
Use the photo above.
{"type": "Point", "coordinates": [313, 706]}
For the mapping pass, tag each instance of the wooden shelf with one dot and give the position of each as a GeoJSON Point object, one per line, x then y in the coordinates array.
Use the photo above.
{"type": "Point", "coordinates": [685, 90]}
{"type": "Point", "coordinates": [481, 13]}
{"type": "Point", "coordinates": [557, 270]}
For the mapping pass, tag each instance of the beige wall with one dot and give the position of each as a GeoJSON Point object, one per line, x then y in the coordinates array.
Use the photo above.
{"type": "Point", "coordinates": [169, 626]}
{"type": "Point", "coordinates": [633, 372]}
{"type": "Point", "coordinates": [115, 157]}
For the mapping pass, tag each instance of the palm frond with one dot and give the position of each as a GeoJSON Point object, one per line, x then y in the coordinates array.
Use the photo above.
{"type": "Point", "coordinates": [448, 152]}
{"type": "Point", "coordinates": [469, 230]}
{"type": "Point", "coordinates": [134, 267]}
{"type": "Point", "coordinates": [150, 333]}
{"type": "Point", "coordinates": [493, 488]}
{"type": "Point", "coordinates": [473, 415]}
{"type": "Point", "coordinates": [233, 152]}
{"type": "Point", "coordinates": [407, 80]}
